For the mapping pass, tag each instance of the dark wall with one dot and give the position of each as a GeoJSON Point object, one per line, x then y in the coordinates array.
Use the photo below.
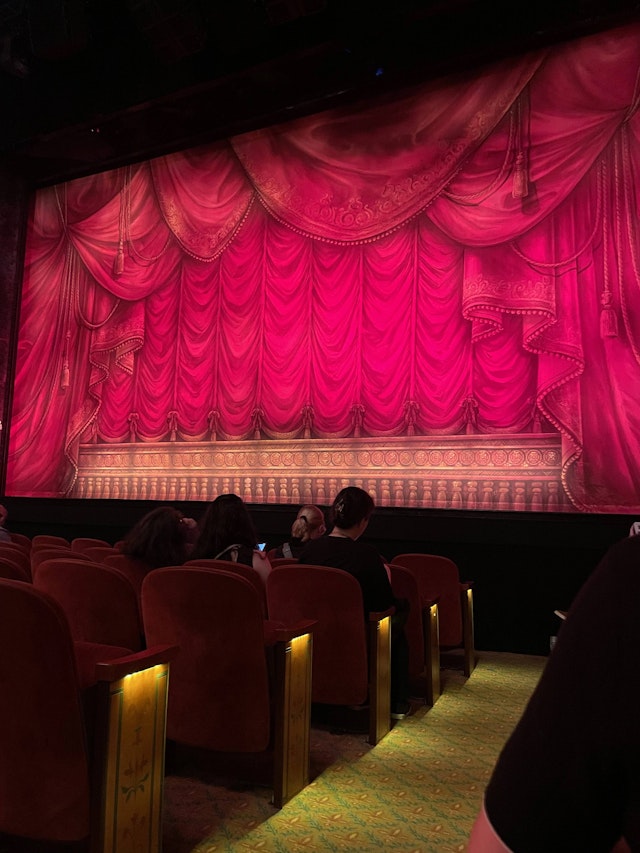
{"type": "Point", "coordinates": [13, 214]}
{"type": "Point", "coordinates": [523, 565]}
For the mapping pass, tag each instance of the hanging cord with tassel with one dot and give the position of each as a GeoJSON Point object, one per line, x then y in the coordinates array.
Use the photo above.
{"type": "Point", "coordinates": [521, 166]}
{"type": "Point", "coordinates": [126, 226]}
{"type": "Point", "coordinates": [118, 261]}
{"type": "Point", "coordinates": [608, 317]}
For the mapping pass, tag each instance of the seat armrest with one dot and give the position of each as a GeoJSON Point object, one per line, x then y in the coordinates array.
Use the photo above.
{"type": "Point", "coordinates": [377, 615]}
{"type": "Point", "coordinates": [277, 632]}
{"type": "Point", "coordinates": [113, 670]}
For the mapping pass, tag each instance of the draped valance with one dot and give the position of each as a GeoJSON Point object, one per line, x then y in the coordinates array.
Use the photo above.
{"type": "Point", "coordinates": [461, 256]}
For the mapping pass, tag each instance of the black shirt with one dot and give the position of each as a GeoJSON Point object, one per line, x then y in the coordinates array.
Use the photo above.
{"type": "Point", "coordinates": [358, 559]}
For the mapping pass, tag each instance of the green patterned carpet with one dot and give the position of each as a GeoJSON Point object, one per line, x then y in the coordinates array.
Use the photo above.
{"type": "Point", "coordinates": [418, 791]}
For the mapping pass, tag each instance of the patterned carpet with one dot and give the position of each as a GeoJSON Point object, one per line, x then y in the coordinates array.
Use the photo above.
{"type": "Point", "coordinates": [417, 791]}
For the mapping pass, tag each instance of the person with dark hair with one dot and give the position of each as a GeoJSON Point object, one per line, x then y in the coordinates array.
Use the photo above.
{"type": "Point", "coordinates": [163, 537]}
{"type": "Point", "coordinates": [309, 524]}
{"type": "Point", "coordinates": [227, 533]}
{"type": "Point", "coordinates": [341, 549]}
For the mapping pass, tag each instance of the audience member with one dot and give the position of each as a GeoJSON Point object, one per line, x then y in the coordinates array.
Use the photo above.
{"type": "Point", "coordinates": [341, 549]}
{"type": "Point", "coordinates": [567, 778]}
{"type": "Point", "coordinates": [227, 533]}
{"type": "Point", "coordinates": [163, 537]}
{"type": "Point", "coordinates": [309, 524]}
{"type": "Point", "coordinates": [5, 536]}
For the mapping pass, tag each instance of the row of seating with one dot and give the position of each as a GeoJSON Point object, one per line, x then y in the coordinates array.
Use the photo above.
{"type": "Point", "coordinates": [423, 579]}
{"type": "Point", "coordinates": [239, 682]}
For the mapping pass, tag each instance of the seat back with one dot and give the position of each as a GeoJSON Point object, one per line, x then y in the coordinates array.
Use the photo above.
{"type": "Point", "coordinates": [12, 570]}
{"type": "Point", "coordinates": [135, 570]}
{"type": "Point", "coordinates": [219, 690]}
{"type": "Point", "coordinates": [405, 585]}
{"type": "Point", "coordinates": [44, 772]}
{"type": "Point", "coordinates": [100, 604]}
{"type": "Point", "coordinates": [98, 553]}
{"type": "Point", "coordinates": [438, 577]}
{"type": "Point", "coordinates": [22, 540]}
{"type": "Point", "coordinates": [282, 561]}
{"type": "Point", "coordinates": [47, 540]}
{"type": "Point", "coordinates": [333, 598]}
{"type": "Point", "coordinates": [16, 554]}
{"type": "Point", "coordinates": [247, 572]}
{"type": "Point", "coordinates": [81, 543]}
{"type": "Point", "coordinates": [41, 555]}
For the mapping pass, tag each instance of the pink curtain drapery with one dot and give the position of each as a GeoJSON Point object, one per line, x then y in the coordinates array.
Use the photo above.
{"type": "Point", "coordinates": [461, 257]}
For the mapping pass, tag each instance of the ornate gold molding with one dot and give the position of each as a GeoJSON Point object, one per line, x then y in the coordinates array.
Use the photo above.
{"type": "Point", "coordinates": [505, 472]}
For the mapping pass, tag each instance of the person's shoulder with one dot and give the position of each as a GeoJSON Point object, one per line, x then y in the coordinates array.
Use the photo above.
{"type": "Point", "coordinates": [367, 548]}
{"type": "Point", "coordinates": [622, 557]}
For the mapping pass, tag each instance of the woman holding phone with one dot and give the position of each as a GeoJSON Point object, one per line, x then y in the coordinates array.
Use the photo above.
{"type": "Point", "coordinates": [227, 533]}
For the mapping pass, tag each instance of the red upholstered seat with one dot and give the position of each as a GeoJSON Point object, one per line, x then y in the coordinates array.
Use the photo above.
{"type": "Point", "coordinates": [83, 542]}
{"type": "Point", "coordinates": [247, 572]}
{"type": "Point", "coordinates": [281, 561]}
{"type": "Point", "coordinates": [46, 540]}
{"type": "Point", "coordinates": [11, 570]}
{"type": "Point", "coordinates": [99, 602]}
{"type": "Point", "coordinates": [41, 555]}
{"type": "Point", "coordinates": [222, 695]}
{"type": "Point", "coordinates": [16, 554]}
{"type": "Point", "coordinates": [22, 540]}
{"type": "Point", "coordinates": [98, 553]}
{"type": "Point", "coordinates": [421, 631]}
{"type": "Point", "coordinates": [47, 786]}
{"type": "Point", "coordinates": [438, 578]}
{"type": "Point", "coordinates": [343, 647]}
{"type": "Point", "coordinates": [135, 570]}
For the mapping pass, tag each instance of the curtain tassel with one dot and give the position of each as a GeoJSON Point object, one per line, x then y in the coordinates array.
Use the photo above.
{"type": "Point", "coordinates": [118, 262]}
{"type": "Point", "coordinates": [608, 318]}
{"type": "Point", "coordinates": [520, 177]}
{"type": "Point", "coordinates": [64, 379]}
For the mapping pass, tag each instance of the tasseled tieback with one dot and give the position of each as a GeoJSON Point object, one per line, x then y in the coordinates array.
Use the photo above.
{"type": "Point", "coordinates": [608, 317]}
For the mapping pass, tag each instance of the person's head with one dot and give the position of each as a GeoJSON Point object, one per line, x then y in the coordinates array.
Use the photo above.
{"type": "Point", "coordinates": [351, 508]}
{"type": "Point", "coordinates": [225, 522]}
{"type": "Point", "coordinates": [158, 539]}
{"type": "Point", "coordinates": [309, 523]}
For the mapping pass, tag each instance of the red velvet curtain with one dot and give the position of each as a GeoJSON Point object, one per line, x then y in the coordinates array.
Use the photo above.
{"type": "Point", "coordinates": [461, 257]}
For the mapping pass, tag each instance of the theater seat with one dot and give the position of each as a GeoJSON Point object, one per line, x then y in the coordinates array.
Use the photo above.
{"type": "Point", "coordinates": [247, 572]}
{"type": "Point", "coordinates": [438, 578]}
{"type": "Point", "coordinates": [81, 543]}
{"type": "Point", "coordinates": [65, 777]}
{"type": "Point", "coordinates": [99, 602]}
{"type": "Point", "coordinates": [22, 540]}
{"type": "Point", "coordinates": [17, 554]}
{"type": "Point", "coordinates": [422, 633]}
{"type": "Point", "coordinates": [46, 540]}
{"type": "Point", "coordinates": [11, 570]}
{"type": "Point", "coordinates": [239, 685]}
{"type": "Point", "coordinates": [351, 658]}
{"type": "Point", "coordinates": [42, 555]}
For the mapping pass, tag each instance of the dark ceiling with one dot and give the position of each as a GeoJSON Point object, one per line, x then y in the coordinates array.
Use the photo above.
{"type": "Point", "coordinates": [92, 84]}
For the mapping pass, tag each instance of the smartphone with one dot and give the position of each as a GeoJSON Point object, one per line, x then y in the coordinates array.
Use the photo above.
{"type": "Point", "coordinates": [262, 546]}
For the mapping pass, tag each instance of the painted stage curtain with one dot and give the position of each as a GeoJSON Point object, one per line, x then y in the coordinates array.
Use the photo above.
{"type": "Point", "coordinates": [461, 257]}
